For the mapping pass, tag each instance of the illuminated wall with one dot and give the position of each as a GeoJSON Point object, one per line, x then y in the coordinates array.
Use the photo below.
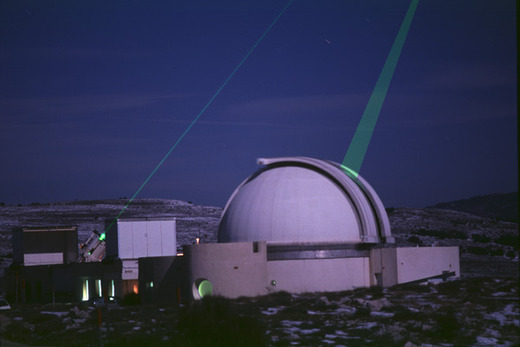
{"type": "Point", "coordinates": [230, 269]}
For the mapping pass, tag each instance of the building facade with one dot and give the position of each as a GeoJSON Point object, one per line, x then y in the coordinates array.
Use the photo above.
{"type": "Point", "coordinates": [46, 266]}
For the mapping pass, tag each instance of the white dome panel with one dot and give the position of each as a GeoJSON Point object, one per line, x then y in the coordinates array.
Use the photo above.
{"type": "Point", "coordinates": [290, 204]}
{"type": "Point", "coordinates": [304, 200]}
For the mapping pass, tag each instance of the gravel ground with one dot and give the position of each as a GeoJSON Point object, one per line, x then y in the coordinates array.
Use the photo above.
{"type": "Point", "coordinates": [482, 308]}
{"type": "Point", "coordinates": [466, 312]}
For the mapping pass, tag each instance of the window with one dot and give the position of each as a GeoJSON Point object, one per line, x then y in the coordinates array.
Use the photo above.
{"type": "Point", "coordinates": [112, 288]}
{"type": "Point", "coordinates": [99, 292]}
{"type": "Point", "coordinates": [84, 286]}
{"type": "Point", "coordinates": [131, 287]}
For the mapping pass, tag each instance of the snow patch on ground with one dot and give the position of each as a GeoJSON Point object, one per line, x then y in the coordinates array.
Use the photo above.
{"type": "Point", "coordinates": [272, 310]}
{"type": "Point", "coordinates": [382, 314]}
{"type": "Point", "coordinates": [508, 316]}
{"type": "Point", "coordinates": [57, 314]}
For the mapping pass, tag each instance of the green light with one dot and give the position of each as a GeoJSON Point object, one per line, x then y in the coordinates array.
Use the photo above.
{"type": "Point", "coordinates": [102, 237]}
{"type": "Point", "coordinates": [359, 144]}
{"type": "Point", "coordinates": [351, 173]}
{"type": "Point", "coordinates": [355, 177]}
{"type": "Point", "coordinates": [205, 288]}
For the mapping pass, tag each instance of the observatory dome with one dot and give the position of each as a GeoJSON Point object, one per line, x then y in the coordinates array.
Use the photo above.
{"type": "Point", "coordinates": [304, 200]}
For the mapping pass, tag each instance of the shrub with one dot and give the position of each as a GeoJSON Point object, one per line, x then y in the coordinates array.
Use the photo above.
{"type": "Point", "coordinates": [456, 234]}
{"type": "Point", "coordinates": [213, 321]}
{"type": "Point", "coordinates": [280, 298]}
{"type": "Point", "coordinates": [478, 250]}
{"type": "Point", "coordinates": [447, 325]}
{"type": "Point", "coordinates": [508, 240]}
{"type": "Point", "coordinates": [131, 299]}
{"type": "Point", "coordinates": [510, 254]}
{"type": "Point", "coordinates": [415, 239]}
{"type": "Point", "coordinates": [480, 238]}
{"type": "Point", "coordinates": [498, 252]}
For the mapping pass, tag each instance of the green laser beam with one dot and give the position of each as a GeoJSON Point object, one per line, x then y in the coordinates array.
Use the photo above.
{"type": "Point", "coordinates": [359, 144]}
{"type": "Point", "coordinates": [199, 115]}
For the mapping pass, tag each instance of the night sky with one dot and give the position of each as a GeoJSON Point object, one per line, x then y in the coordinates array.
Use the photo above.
{"type": "Point", "coordinates": [93, 94]}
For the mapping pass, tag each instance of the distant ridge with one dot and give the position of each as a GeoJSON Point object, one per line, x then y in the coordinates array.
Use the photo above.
{"type": "Point", "coordinates": [502, 206]}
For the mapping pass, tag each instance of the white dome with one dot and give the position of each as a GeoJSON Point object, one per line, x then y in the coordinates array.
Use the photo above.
{"type": "Point", "coordinates": [304, 200]}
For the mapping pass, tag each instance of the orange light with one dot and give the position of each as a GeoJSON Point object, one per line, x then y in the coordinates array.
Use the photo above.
{"type": "Point", "coordinates": [136, 289]}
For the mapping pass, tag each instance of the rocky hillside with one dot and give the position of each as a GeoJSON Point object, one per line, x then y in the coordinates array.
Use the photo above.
{"type": "Point", "coordinates": [499, 206]}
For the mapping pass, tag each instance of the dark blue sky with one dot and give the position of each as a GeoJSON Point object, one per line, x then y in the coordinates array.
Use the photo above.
{"type": "Point", "coordinates": [94, 93]}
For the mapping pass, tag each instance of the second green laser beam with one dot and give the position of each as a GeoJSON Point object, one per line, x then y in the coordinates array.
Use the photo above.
{"type": "Point", "coordinates": [199, 115]}
{"type": "Point", "coordinates": [359, 144]}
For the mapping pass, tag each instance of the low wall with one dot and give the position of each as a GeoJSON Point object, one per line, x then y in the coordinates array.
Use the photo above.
{"type": "Point", "coordinates": [319, 275]}
{"type": "Point", "coordinates": [390, 266]}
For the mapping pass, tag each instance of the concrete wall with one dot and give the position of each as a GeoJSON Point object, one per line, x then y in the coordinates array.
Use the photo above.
{"type": "Point", "coordinates": [419, 262]}
{"type": "Point", "coordinates": [234, 269]}
{"type": "Point", "coordinates": [407, 264]}
{"type": "Point", "coordinates": [316, 275]}
{"type": "Point", "coordinates": [242, 269]}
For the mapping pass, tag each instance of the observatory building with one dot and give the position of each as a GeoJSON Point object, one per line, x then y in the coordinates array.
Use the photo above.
{"type": "Point", "coordinates": [305, 225]}
{"type": "Point", "coordinates": [297, 224]}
